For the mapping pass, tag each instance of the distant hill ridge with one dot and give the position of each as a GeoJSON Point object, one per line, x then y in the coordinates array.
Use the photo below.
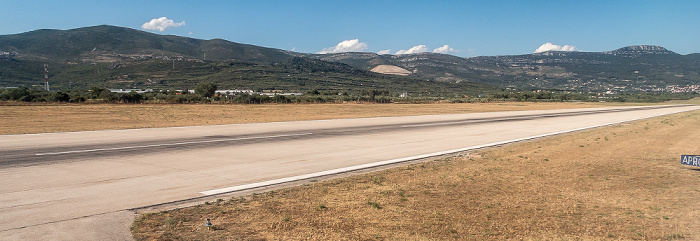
{"type": "Point", "coordinates": [115, 57]}
{"type": "Point", "coordinates": [641, 49]}
{"type": "Point", "coordinates": [106, 38]}
{"type": "Point", "coordinates": [81, 43]}
{"type": "Point", "coordinates": [122, 57]}
{"type": "Point", "coordinates": [637, 68]}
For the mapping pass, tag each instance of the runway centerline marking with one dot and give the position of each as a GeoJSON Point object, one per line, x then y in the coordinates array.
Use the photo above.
{"type": "Point", "coordinates": [168, 144]}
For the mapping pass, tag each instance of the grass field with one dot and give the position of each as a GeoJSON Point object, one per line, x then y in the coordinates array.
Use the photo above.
{"type": "Point", "coordinates": [618, 182]}
{"type": "Point", "coordinates": [35, 118]}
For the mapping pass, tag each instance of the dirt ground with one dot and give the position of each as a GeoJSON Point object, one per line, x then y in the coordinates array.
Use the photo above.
{"type": "Point", "coordinates": [617, 182]}
{"type": "Point", "coordinates": [37, 118]}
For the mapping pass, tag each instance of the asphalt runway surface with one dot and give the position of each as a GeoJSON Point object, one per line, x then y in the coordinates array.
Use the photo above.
{"type": "Point", "coordinates": [85, 185]}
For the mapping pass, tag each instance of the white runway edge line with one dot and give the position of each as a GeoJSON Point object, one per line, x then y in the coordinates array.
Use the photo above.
{"type": "Point", "coordinates": [399, 160]}
{"type": "Point", "coordinates": [169, 144]}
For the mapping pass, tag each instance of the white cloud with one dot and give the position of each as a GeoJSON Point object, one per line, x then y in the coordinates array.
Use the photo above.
{"type": "Point", "coordinates": [352, 45]}
{"type": "Point", "coordinates": [414, 50]}
{"type": "Point", "coordinates": [445, 50]}
{"type": "Point", "coordinates": [553, 47]}
{"type": "Point", "coordinates": [386, 51]}
{"type": "Point", "coordinates": [161, 24]}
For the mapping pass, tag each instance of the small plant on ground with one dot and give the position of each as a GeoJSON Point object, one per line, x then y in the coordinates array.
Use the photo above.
{"type": "Point", "coordinates": [374, 205]}
{"type": "Point", "coordinates": [377, 179]}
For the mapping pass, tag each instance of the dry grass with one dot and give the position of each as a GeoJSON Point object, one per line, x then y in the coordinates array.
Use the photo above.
{"type": "Point", "coordinates": [24, 119]}
{"type": "Point", "coordinates": [617, 182]}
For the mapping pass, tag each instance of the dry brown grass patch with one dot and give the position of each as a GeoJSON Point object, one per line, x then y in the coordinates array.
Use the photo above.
{"type": "Point", "coordinates": [618, 182]}
{"type": "Point", "coordinates": [35, 118]}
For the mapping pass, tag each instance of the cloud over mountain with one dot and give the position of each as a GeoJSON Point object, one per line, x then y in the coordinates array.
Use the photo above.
{"type": "Point", "coordinates": [352, 45]}
{"type": "Point", "coordinates": [386, 51]}
{"type": "Point", "coordinates": [161, 24]}
{"type": "Point", "coordinates": [444, 50]}
{"type": "Point", "coordinates": [413, 50]}
{"type": "Point", "coordinates": [553, 47]}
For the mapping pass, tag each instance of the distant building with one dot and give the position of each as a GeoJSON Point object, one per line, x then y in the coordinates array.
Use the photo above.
{"type": "Point", "coordinates": [233, 91]}
{"type": "Point", "coordinates": [286, 94]}
{"type": "Point", "coordinates": [250, 92]}
{"type": "Point", "coordinates": [140, 91]}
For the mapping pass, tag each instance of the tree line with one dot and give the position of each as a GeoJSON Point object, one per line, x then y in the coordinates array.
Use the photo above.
{"type": "Point", "coordinates": [205, 92]}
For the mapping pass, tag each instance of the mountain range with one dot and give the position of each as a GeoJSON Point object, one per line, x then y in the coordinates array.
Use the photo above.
{"type": "Point", "coordinates": [632, 69]}
{"type": "Point", "coordinates": [117, 57]}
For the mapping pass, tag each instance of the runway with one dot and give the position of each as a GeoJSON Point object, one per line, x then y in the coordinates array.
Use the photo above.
{"type": "Point", "coordinates": [81, 185]}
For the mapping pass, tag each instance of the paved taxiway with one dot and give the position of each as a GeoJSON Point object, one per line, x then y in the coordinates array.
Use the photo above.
{"type": "Point", "coordinates": [80, 185]}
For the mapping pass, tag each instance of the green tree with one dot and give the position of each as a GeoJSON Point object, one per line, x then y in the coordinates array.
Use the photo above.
{"type": "Point", "coordinates": [58, 97]}
{"type": "Point", "coordinates": [206, 89]}
{"type": "Point", "coordinates": [313, 92]}
{"type": "Point", "coordinates": [21, 94]}
{"type": "Point", "coordinates": [95, 92]}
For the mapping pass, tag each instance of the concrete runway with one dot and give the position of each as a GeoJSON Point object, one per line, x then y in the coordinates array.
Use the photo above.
{"type": "Point", "coordinates": [81, 185]}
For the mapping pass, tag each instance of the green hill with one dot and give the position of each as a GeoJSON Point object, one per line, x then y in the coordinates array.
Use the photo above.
{"type": "Point", "coordinates": [630, 69]}
{"type": "Point", "coordinates": [115, 57]}
{"type": "Point", "coordinates": [94, 43]}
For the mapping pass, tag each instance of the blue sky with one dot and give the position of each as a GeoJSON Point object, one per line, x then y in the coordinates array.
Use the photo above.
{"type": "Point", "coordinates": [469, 28]}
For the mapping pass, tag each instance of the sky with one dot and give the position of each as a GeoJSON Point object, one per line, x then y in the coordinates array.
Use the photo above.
{"type": "Point", "coordinates": [463, 28]}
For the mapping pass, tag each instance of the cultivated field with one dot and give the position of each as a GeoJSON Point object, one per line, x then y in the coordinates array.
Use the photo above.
{"type": "Point", "coordinates": [618, 182]}
{"type": "Point", "coordinates": [24, 119]}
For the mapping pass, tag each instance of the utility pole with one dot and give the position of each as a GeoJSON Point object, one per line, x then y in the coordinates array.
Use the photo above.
{"type": "Point", "coordinates": [46, 76]}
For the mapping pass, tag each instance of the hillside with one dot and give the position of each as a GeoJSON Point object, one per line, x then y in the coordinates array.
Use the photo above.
{"type": "Point", "coordinates": [116, 57]}
{"type": "Point", "coordinates": [629, 69]}
{"type": "Point", "coordinates": [108, 43]}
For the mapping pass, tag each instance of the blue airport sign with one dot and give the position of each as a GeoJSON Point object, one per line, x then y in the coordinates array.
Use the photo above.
{"type": "Point", "coordinates": [690, 160]}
